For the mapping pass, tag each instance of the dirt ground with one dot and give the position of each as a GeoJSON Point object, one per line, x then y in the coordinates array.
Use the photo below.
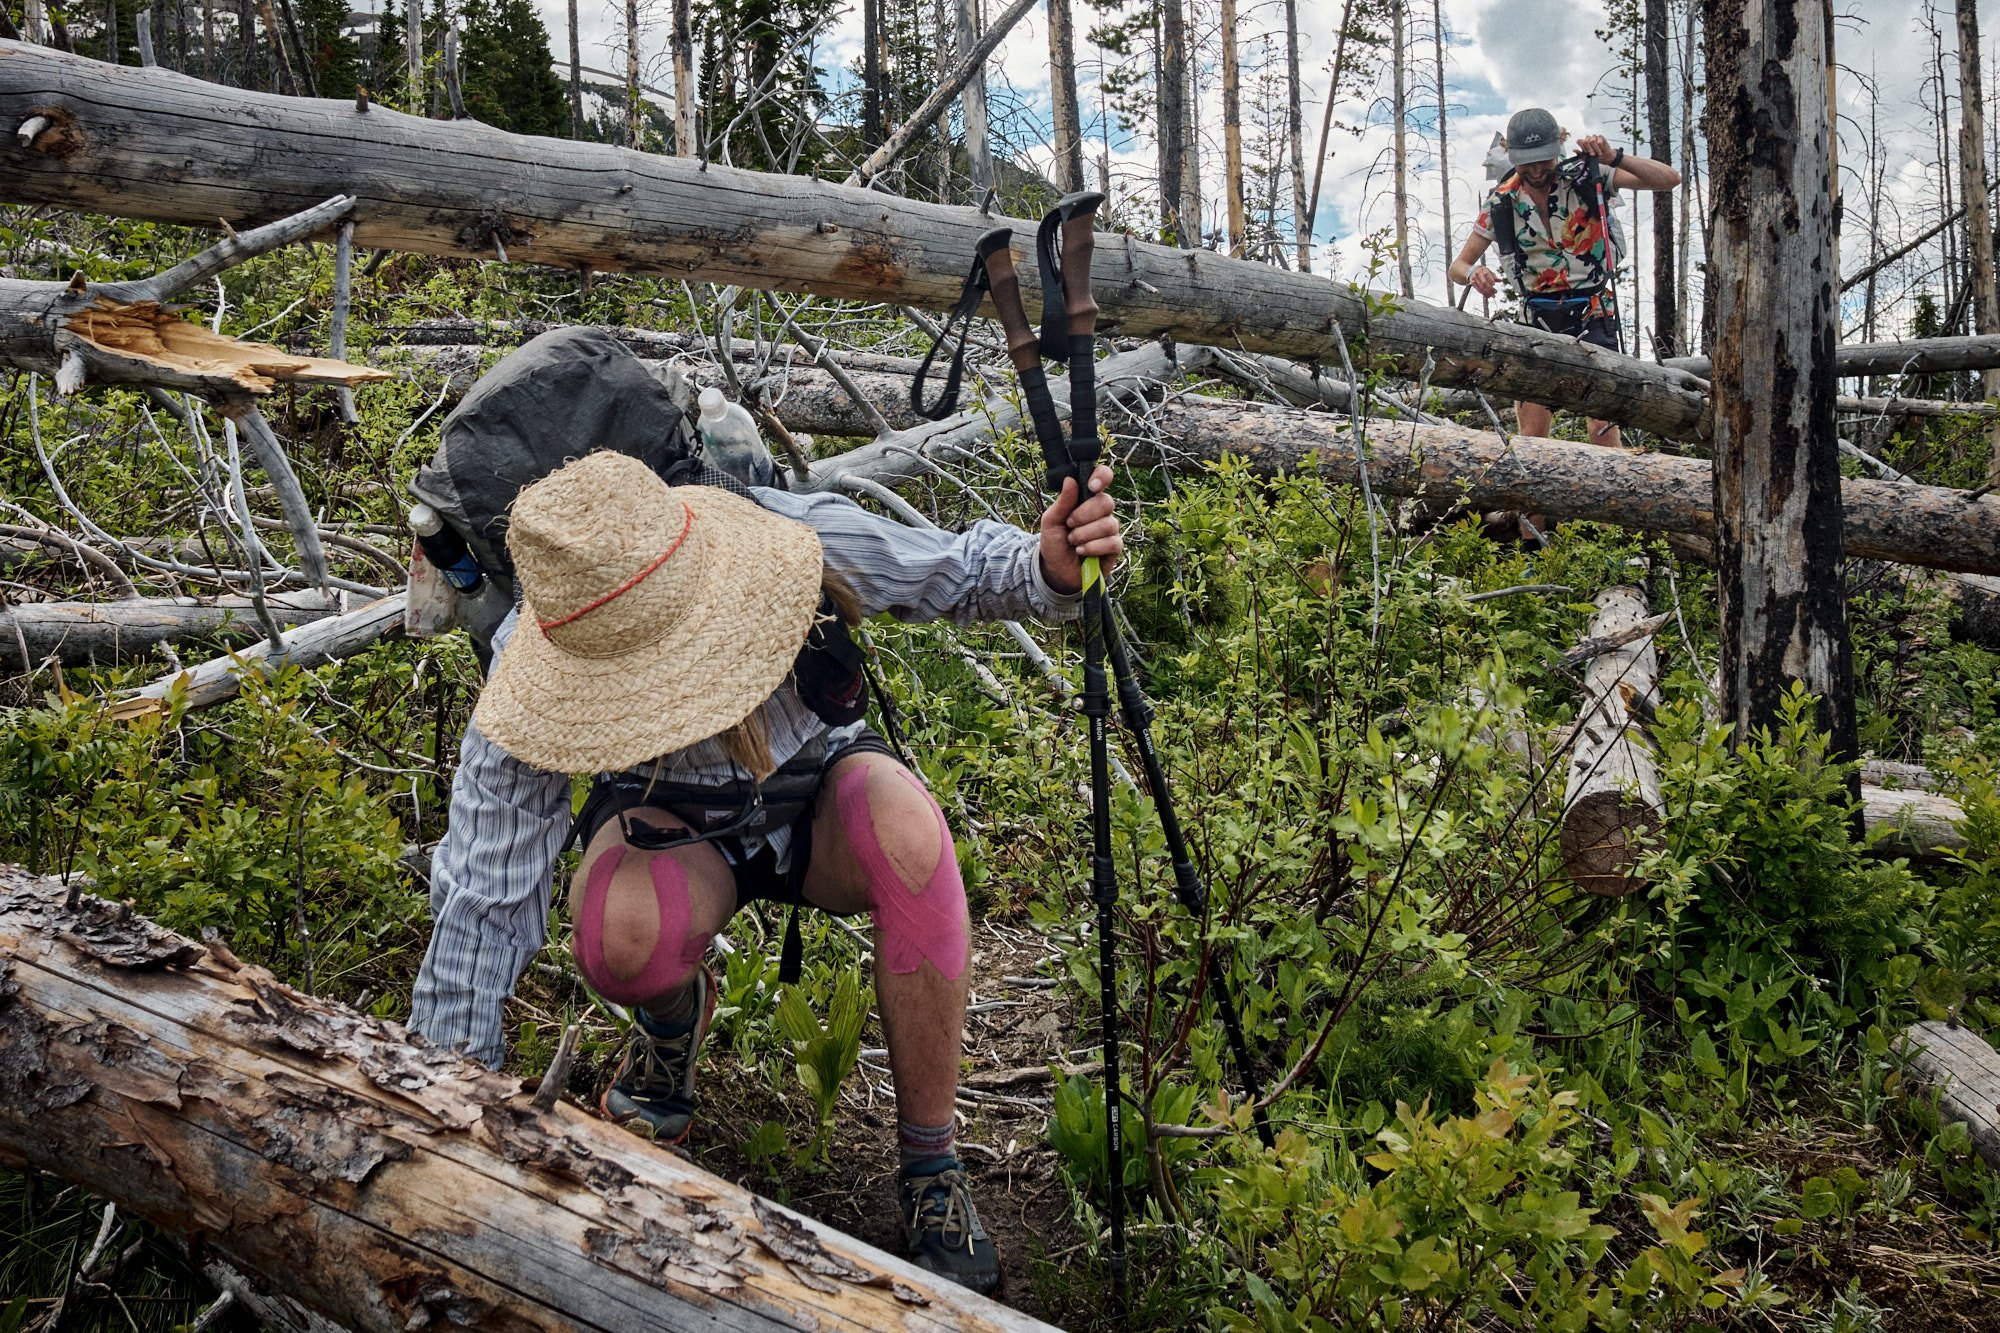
{"type": "Point", "coordinates": [1014, 1026]}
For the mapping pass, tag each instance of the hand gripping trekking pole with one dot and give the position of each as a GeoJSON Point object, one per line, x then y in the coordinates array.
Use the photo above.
{"type": "Point", "coordinates": [1024, 350]}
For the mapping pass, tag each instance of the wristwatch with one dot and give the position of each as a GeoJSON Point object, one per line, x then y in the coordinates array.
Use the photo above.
{"type": "Point", "coordinates": [1620, 157]}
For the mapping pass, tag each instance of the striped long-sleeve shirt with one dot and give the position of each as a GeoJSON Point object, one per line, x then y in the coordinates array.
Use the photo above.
{"type": "Point", "coordinates": [490, 880]}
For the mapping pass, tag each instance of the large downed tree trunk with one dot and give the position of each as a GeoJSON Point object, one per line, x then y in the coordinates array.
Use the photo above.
{"type": "Point", "coordinates": [85, 633]}
{"type": "Point", "coordinates": [1919, 356]}
{"type": "Point", "coordinates": [1612, 801]}
{"type": "Point", "coordinates": [311, 645]}
{"type": "Point", "coordinates": [384, 1183]}
{"type": "Point", "coordinates": [1917, 525]}
{"type": "Point", "coordinates": [118, 140]}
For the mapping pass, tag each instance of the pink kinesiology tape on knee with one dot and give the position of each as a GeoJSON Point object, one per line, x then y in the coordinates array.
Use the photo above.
{"type": "Point", "coordinates": [917, 922]}
{"type": "Point", "coordinates": [677, 949]}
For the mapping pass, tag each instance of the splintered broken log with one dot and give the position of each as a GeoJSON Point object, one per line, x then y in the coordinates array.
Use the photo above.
{"type": "Point", "coordinates": [123, 332]}
{"type": "Point", "coordinates": [1916, 525]}
{"type": "Point", "coordinates": [116, 139]}
{"type": "Point", "coordinates": [1611, 804]}
{"type": "Point", "coordinates": [380, 1182]}
{"type": "Point", "coordinates": [1965, 1072]}
{"type": "Point", "coordinates": [84, 633]}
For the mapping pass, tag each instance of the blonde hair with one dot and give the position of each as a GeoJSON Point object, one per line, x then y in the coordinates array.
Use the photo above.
{"type": "Point", "coordinates": [748, 743]}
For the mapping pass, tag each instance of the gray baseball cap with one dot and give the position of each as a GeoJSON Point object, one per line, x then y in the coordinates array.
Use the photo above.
{"type": "Point", "coordinates": [1533, 136]}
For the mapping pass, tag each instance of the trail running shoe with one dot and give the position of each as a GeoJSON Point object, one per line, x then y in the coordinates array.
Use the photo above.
{"type": "Point", "coordinates": [652, 1092]}
{"type": "Point", "coordinates": [941, 1231]}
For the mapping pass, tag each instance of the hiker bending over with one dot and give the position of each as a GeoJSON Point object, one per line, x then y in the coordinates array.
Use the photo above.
{"type": "Point", "coordinates": [674, 642]}
{"type": "Point", "coordinates": [1551, 220]}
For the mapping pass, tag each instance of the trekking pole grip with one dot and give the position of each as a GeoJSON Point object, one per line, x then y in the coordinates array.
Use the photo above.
{"type": "Point", "coordinates": [1003, 280]}
{"type": "Point", "coordinates": [1079, 239]}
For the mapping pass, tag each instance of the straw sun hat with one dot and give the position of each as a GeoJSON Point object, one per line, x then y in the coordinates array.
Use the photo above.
{"type": "Point", "coordinates": [653, 616]}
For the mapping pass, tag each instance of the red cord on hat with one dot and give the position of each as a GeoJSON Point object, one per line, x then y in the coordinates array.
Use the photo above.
{"type": "Point", "coordinates": [628, 584]}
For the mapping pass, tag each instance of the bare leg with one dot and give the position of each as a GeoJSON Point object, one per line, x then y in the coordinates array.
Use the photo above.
{"type": "Point", "coordinates": [630, 931]}
{"type": "Point", "coordinates": [1605, 433]}
{"type": "Point", "coordinates": [1533, 419]}
{"type": "Point", "coordinates": [920, 973]}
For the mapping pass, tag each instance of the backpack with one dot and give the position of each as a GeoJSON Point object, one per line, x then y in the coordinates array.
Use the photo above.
{"type": "Point", "coordinates": [563, 394]}
{"type": "Point", "coordinates": [1585, 176]}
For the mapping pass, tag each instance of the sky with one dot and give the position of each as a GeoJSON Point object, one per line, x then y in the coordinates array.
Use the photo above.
{"type": "Point", "coordinates": [1501, 55]}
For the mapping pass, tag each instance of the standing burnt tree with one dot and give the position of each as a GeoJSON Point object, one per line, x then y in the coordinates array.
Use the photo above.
{"type": "Point", "coordinates": [1777, 473]}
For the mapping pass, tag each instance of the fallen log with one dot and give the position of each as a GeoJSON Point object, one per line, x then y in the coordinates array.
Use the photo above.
{"type": "Point", "coordinates": [1916, 525]}
{"type": "Point", "coordinates": [311, 645]}
{"type": "Point", "coordinates": [117, 141]}
{"type": "Point", "coordinates": [1964, 1070]}
{"type": "Point", "coordinates": [101, 633]}
{"type": "Point", "coordinates": [381, 1182]}
{"type": "Point", "coordinates": [1918, 356]}
{"type": "Point", "coordinates": [1611, 803]}
{"type": "Point", "coordinates": [1917, 824]}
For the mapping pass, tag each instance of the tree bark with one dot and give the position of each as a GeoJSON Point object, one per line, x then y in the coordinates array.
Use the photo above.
{"type": "Point", "coordinates": [1918, 356]}
{"type": "Point", "coordinates": [972, 103]}
{"type": "Point", "coordinates": [686, 135]}
{"type": "Point", "coordinates": [1062, 92]}
{"type": "Point", "coordinates": [330, 640]}
{"type": "Point", "coordinates": [1400, 158]}
{"type": "Point", "coordinates": [1978, 226]}
{"type": "Point", "coordinates": [871, 73]}
{"type": "Point", "coordinates": [575, 75]}
{"type": "Point", "coordinates": [632, 120]}
{"type": "Point", "coordinates": [1232, 130]}
{"type": "Point", "coordinates": [117, 144]}
{"type": "Point", "coordinates": [384, 1183]}
{"type": "Point", "coordinates": [1917, 525]}
{"type": "Point", "coordinates": [1965, 1070]}
{"type": "Point", "coordinates": [100, 633]}
{"type": "Point", "coordinates": [414, 53]}
{"type": "Point", "coordinates": [1175, 225]}
{"type": "Point", "coordinates": [1444, 136]}
{"type": "Point", "coordinates": [1295, 119]}
{"type": "Point", "coordinates": [1659, 131]}
{"type": "Point", "coordinates": [1326, 134]}
{"type": "Point", "coordinates": [1612, 804]}
{"type": "Point", "coordinates": [1777, 463]}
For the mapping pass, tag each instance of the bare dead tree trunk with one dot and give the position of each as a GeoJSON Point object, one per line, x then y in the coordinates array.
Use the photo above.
{"type": "Point", "coordinates": [1295, 128]}
{"type": "Point", "coordinates": [415, 54]}
{"type": "Point", "coordinates": [575, 76]}
{"type": "Point", "coordinates": [1062, 91]}
{"type": "Point", "coordinates": [685, 132]}
{"type": "Point", "coordinates": [1777, 464]}
{"type": "Point", "coordinates": [1191, 137]}
{"type": "Point", "coordinates": [631, 73]}
{"type": "Point", "coordinates": [1444, 136]}
{"type": "Point", "coordinates": [1683, 241]}
{"type": "Point", "coordinates": [1659, 133]}
{"type": "Point", "coordinates": [1325, 135]}
{"type": "Point", "coordinates": [1400, 109]}
{"type": "Point", "coordinates": [972, 104]}
{"type": "Point", "coordinates": [871, 73]}
{"type": "Point", "coordinates": [1232, 129]}
{"type": "Point", "coordinates": [1978, 225]}
{"type": "Point", "coordinates": [1171, 91]}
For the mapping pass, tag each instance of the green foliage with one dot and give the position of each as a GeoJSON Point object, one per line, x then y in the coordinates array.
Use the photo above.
{"type": "Point", "coordinates": [508, 73]}
{"type": "Point", "coordinates": [824, 1055]}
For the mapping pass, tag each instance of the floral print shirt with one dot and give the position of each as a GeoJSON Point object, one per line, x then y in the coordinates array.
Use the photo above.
{"type": "Point", "coordinates": [1570, 253]}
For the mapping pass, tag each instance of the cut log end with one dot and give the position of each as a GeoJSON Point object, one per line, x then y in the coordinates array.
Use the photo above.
{"type": "Point", "coordinates": [1603, 836]}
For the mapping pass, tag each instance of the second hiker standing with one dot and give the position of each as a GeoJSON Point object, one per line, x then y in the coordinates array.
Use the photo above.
{"type": "Point", "coordinates": [1551, 220]}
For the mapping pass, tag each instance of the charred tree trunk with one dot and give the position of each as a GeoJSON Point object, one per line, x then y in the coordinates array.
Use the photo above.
{"type": "Point", "coordinates": [1777, 462]}
{"type": "Point", "coordinates": [1659, 131]}
{"type": "Point", "coordinates": [116, 142]}
{"type": "Point", "coordinates": [1175, 226]}
{"type": "Point", "coordinates": [381, 1182]}
{"type": "Point", "coordinates": [686, 132]}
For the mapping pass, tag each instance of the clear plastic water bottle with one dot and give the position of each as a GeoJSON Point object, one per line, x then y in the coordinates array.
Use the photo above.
{"type": "Point", "coordinates": [730, 438]}
{"type": "Point", "coordinates": [445, 549]}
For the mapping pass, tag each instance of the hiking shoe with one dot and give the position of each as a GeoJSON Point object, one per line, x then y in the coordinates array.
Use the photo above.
{"type": "Point", "coordinates": [652, 1091]}
{"type": "Point", "coordinates": [941, 1231]}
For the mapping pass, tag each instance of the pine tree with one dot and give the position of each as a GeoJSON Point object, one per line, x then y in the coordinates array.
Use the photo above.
{"type": "Point", "coordinates": [331, 54]}
{"type": "Point", "coordinates": [508, 71]}
{"type": "Point", "coordinates": [384, 64]}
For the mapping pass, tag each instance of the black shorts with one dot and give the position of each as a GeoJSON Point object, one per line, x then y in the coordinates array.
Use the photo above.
{"type": "Point", "coordinates": [1600, 332]}
{"type": "Point", "coordinates": [758, 878]}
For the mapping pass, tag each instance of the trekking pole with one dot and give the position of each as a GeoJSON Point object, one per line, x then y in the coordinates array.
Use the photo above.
{"type": "Point", "coordinates": [1024, 351]}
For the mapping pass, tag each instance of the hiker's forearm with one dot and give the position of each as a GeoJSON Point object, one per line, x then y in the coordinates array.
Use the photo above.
{"type": "Point", "coordinates": [1646, 174]}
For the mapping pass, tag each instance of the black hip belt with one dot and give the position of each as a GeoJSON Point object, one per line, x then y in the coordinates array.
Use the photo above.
{"type": "Point", "coordinates": [708, 809]}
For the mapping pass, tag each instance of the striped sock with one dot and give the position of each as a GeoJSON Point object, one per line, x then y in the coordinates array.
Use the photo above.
{"type": "Point", "coordinates": [923, 1143]}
